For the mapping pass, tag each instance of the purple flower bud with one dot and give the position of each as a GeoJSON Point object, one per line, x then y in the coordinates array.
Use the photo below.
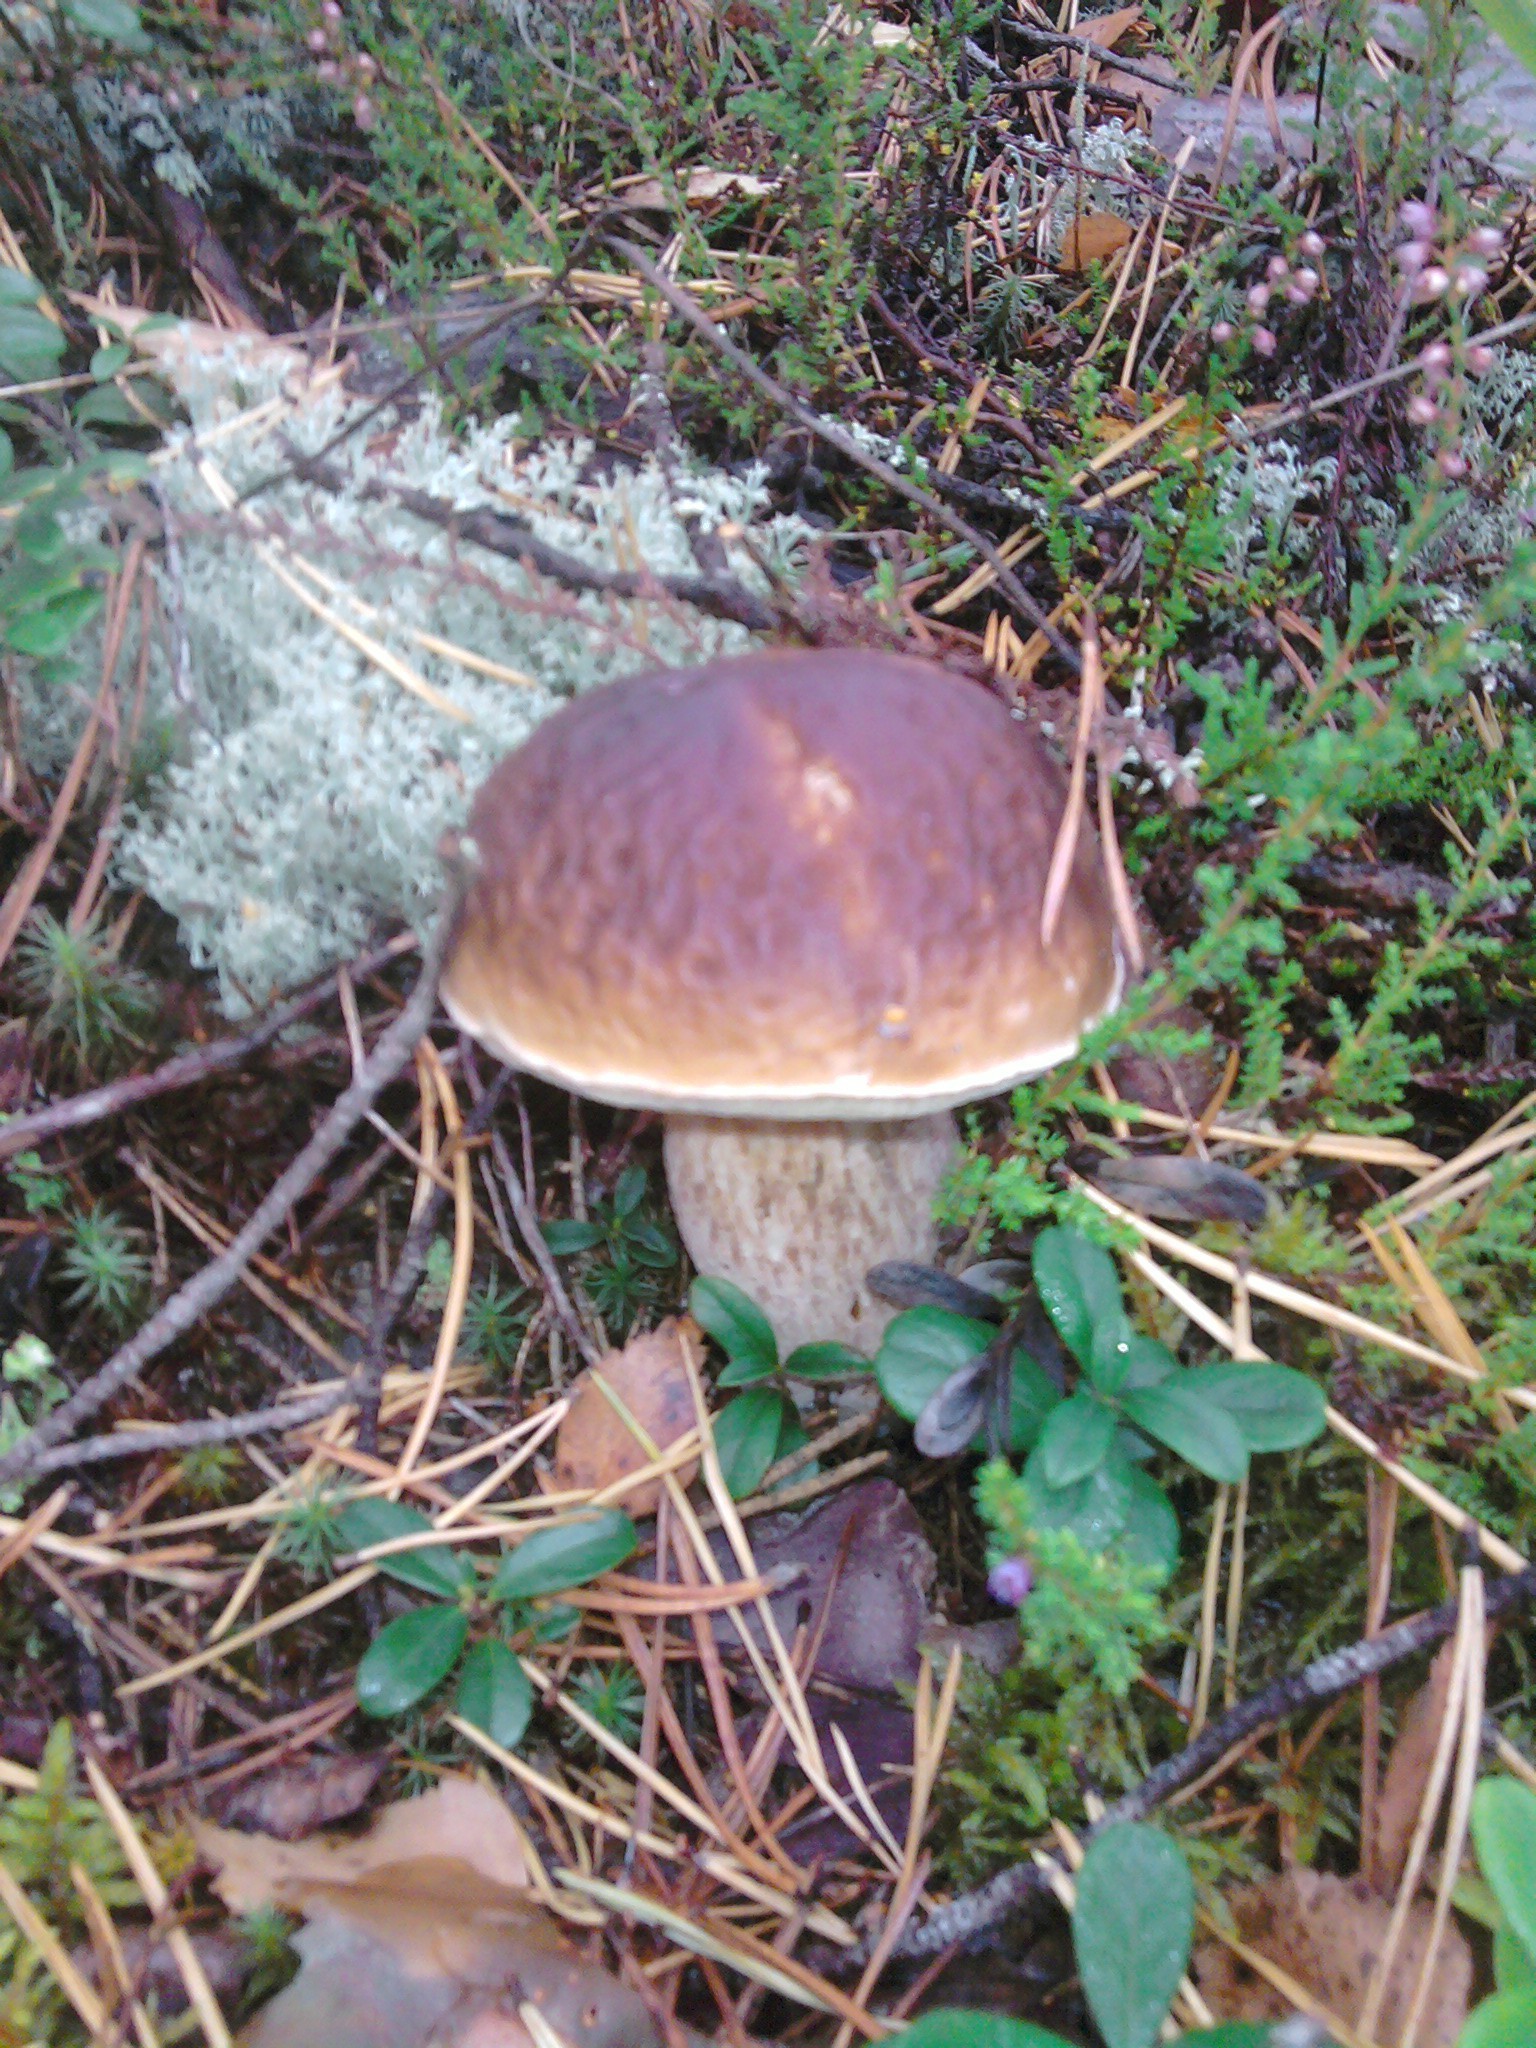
{"type": "Point", "coordinates": [1264, 343]}
{"type": "Point", "coordinates": [1418, 219]}
{"type": "Point", "coordinates": [1411, 257]}
{"type": "Point", "coordinates": [1259, 297]}
{"type": "Point", "coordinates": [1451, 464]}
{"type": "Point", "coordinates": [317, 41]}
{"type": "Point", "coordinates": [1471, 278]}
{"type": "Point", "coordinates": [364, 112]}
{"type": "Point", "coordinates": [330, 10]}
{"type": "Point", "coordinates": [1486, 242]}
{"type": "Point", "coordinates": [366, 68]}
{"type": "Point", "coordinates": [1422, 409]}
{"type": "Point", "coordinates": [1278, 269]}
{"type": "Point", "coordinates": [1430, 285]}
{"type": "Point", "coordinates": [1479, 359]}
{"type": "Point", "coordinates": [1435, 358]}
{"type": "Point", "coordinates": [1312, 245]}
{"type": "Point", "coordinates": [1222, 331]}
{"type": "Point", "coordinates": [1009, 1582]}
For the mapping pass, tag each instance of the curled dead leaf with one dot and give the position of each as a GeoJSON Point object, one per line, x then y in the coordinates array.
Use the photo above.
{"type": "Point", "coordinates": [595, 1448]}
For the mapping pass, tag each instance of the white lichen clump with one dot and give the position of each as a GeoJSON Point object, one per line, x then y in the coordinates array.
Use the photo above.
{"type": "Point", "coordinates": [305, 786]}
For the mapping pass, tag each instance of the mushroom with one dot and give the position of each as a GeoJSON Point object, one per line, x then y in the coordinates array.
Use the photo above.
{"type": "Point", "coordinates": [793, 901]}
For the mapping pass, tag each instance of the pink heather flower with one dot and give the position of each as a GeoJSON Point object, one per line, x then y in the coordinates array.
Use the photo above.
{"type": "Point", "coordinates": [1302, 287]}
{"type": "Point", "coordinates": [1471, 278]}
{"type": "Point", "coordinates": [318, 41]}
{"type": "Point", "coordinates": [1479, 359]}
{"type": "Point", "coordinates": [1278, 269]}
{"type": "Point", "coordinates": [1009, 1583]}
{"type": "Point", "coordinates": [1486, 241]}
{"type": "Point", "coordinates": [328, 71]}
{"type": "Point", "coordinates": [330, 10]}
{"type": "Point", "coordinates": [1418, 219]}
{"type": "Point", "coordinates": [1312, 245]}
{"type": "Point", "coordinates": [364, 112]}
{"type": "Point", "coordinates": [1222, 331]}
{"type": "Point", "coordinates": [1259, 296]}
{"type": "Point", "coordinates": [366, 66]}
{"type": "Point", "coordinates": [1264, 343]}
{"type": "Point", "coordinates": [1422, 409]}
{"type": "Point", "coordinates": [1435, 358]}
{"type": "Point", "coordinates": [1411, 257]}
{"type": "Point", "coordinates": [1430, 285]}
{"type": "Point", "coordinates": [1451, 464]}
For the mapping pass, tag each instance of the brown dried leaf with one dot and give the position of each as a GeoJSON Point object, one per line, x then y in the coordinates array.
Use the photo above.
{"type": "Point", "coordinates": [1326, 1933]}
{"type": "Point", "coordinates": [594, 1448]}
{"type": "Point", "coordinates": [1404, 1781]}
{"type": "Point", "coordinates": [1182, 1190]}
{"type": "Point", "coordinates": [458, 1818]}
{"type": "Point", "coordinates": [428, 1953]}
{"type": "Point", "coordinates": [1107, 29]}
{"type": "Point", "coordinates": [296, 1799]}
{"type": "Point", "coordinates": [1092, 237]}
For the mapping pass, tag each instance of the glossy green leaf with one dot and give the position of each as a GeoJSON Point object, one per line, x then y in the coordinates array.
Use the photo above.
{"type": "Point", "coordinates": [1514, 1967]}
{"type": "Point", "coordinates": [824, 1361]}
{"type": "Point", "coordinates": [747, 1434]}
{"type": "Point", "coordinates": [1035, 1396]}
{"type": "Point", "coordinates": [1131, 1930]}
{"type": "Point", "coordinates": [1078, 1286]}
{"type": "Point", "coordinates": [1206, 1437]}
{"type": "Point", "coordinates": [1235, 2034]}
{"type": "Point", "coordinates": [1507, 2020]}
{"type": "Point", "coordinates": [1504, 1832]}
{"type": "Point", "coordinates": [744, 1372]}
{"type": "Point", "coordinates": [568, 1554]}
{"type": "Point", "coordinates": [953, 2027]}
{"type": "Point", "coordinates": [1078, 1436]}
{"type": "Point", "coordinates": [1515, 21]}
{"type": "Point", "coordinates": [107, 361]}
{"type": "Point", "coordinates": [105, 406]}
{"type": "Point", "coordinates": [554, 1623]}
{"type": "Point", "coordinates": [109, 21]}
{"type": "Point", "coordinates": [734, 1320]}
{"type": "Point", "coordinates": [47, 631]}
{"type": "Point", "coordinates": [1150, 1536]}
{"type": "Point", "coordinates": [17, 288]}
{"type": "Point", "coordinates": [920, 1349]}
{"type": "Point", "coordinates": [565, 1237]}
{"type": "Point", "coordinates": [494, 1693]}
{"type": "Point", "coordinates": [362, 1523]}
{"type": "Point", "coordinates": [41, 538]}
{"type": "Point", "coordinates": [408, 1658]}
{"type": "Point", "coordinates": [629, 1191]}
{"type": "Point", "coordinates": [31, 346]}
{"type": "Point", "coordinates": [1275, 1408]}
{"type": "Point", "coordinates": [1094, 1509]}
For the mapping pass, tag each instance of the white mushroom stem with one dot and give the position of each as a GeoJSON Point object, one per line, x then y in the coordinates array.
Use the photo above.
{"type": "Point", "coordinates": [795, 1214]}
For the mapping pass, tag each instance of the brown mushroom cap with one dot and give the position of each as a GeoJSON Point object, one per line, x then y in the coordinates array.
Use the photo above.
{"type": "Point", "coordinates": [792, 884]}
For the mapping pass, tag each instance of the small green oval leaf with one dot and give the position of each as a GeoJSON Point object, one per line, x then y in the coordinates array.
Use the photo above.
{"type": "Point", "coordinates": [362, 1523]}
{"type": "Point", "coordinates": [1150, 1536]}
{"type": "Point", "coordinates": [1131, 1930]}
{"type": "Point", "coordinates": [45, 632]}
{"type": "Point", "coordinates": [919, 1351]}
{"type": "Point", "coordinates": [953, 2027]}
{"type": "Point", "coordinates": [1507, 2020]}
{"type": "Point", "coordinates": [567, 1237]}
{"type": "Point", "coordinates": [1274, 1407]}
{"type": "Point", "coordinates": [408, 1658]}
{"type": "Point", "coordinates": [747, 1436]}
{"type": "Point", "coordinates": [1204, 1436]}
{"type": "Point", "coordinates": [1094, 1509]}
{"type": "Point", "coordinates": [1078, 1286]}
{"type": "Point", "coordinates": [1504, 1831]}
{"type": "Point", "coordinates": [568, 1554]}
{"type": "Point", "coordinates": [31, 345]}
{"type": "Point", "coordinates": [735, 1322]}
{"type": "Point", "coordinates": [824, 1361]}
{"type": "Point", "coordinates": [1078, 1436]}
{"type": "Point", "coordinates": [494, 1693]}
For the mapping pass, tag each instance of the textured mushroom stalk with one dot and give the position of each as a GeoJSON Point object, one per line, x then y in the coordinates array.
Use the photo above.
{"type": "Point", "coordinates": [795, 1214]}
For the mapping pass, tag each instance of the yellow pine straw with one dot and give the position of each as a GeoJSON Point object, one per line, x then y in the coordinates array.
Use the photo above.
{"type": "Point", "coordinates": [743, 1953]}
{"type": "Point", "coordinates": [271, 554]}
{"type": "Point", "coordinates": [459, 1276]}
{"type": "Point", "coordinates": [861, 1792]}
{"type": "Point", "coordinates": [1461, 1176]}
{"type": "Point", "coordinates": [1154, 263]}
{"type": "Point", "coordinates": [786, 1696]}
{"type": "Point", "coordinates": [1235, 1571]}
{"type": "Point", "coordinates": [1281, 1295]}
{"type": "Point", "coordinates": [42, 1518]}
{"type": "Point", "coordinates": [903, 1899]}
{"type": "Point", "coordinates": [1210, 1590]}
{"type": "Point", "coordinates": [297, 1610]}
{"type": "Point", "coordinates": [1460, 1737]}
{"type": "Point", "coordinates": [79, 1551]}
{"type": "Point", "coordinates": [39, 1935]}
{"type": "Point", "coordinates": [561, 1795]}
{"type": "Point", "coordinates": [177, 1940]}
{"type": "Point", "coordinates": [1363, 1151]}
{"type": "Point", "coordinates": [1502, 1553]}
{"type": "Point", "coordinates": [114, 1964]}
